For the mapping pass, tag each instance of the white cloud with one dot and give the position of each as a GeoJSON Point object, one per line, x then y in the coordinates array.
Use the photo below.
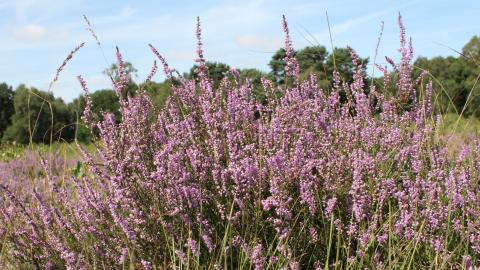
{"type": "Point", "coordinates": [36, 33]}
{"type": "Point", "coordinates": [257, 42]}
{"type": "Point", "coordinates": [30, 33]}
{"type": "Point", "coordinates": [127, 11]}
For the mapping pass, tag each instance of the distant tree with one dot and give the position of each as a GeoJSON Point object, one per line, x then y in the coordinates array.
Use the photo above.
{"type": "Point", "coordinates": [216, 71]}
{"type": "Point", "coordinates": [255, 76]}
{"type": "Point", "coordinates": [105, 100]}
{"type": "Point", "coordinates": [456, 79]}
{"type": "Point", "coordinates": [317, 60]}
{"type": "Point", "coordinates": [6, 107]}
{"type": "Point", "coordinates": [312, 58]}
{"type": "Point", "coordinates": [277, 66]}
{"type": "Point", "coordinates": [343, 64]}
{"type": "Point", "coordinates": [64, 121]}
{"type": "Point", "coordinates": [471, 63]}
{"type": "Point", "coordinates": [131, 72]}
{"type": "Point", "coordinates": [471, 50]}
{"type": "Point", "coordinates": [112, 71]}
{"type": "Point", "coordinates": [32, 121]}
{"type": "Point", "coordinates": [158, 92]}
{"type": "Point", "coordinates": [449, 78]}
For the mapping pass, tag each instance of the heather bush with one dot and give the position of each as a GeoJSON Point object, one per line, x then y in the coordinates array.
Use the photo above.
{"type": "Point", "coordinates": [302, 179]}
{"type": "Point", "coordinates": [26, 165]}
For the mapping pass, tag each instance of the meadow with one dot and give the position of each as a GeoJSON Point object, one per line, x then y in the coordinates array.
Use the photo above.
{"type": "Point", "coordinates": [304, 178]}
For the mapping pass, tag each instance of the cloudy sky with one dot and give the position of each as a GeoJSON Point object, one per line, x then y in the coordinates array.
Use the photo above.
{"type": "Point", "coordinates": [36, 35]}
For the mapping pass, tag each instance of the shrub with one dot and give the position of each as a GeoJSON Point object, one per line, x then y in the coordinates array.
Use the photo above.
{"type": "Point", "coordinates": [218, 179]}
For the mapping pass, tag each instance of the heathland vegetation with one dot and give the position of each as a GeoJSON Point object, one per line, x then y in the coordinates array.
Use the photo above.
{"type": "Point", "coordinates": [312, 165]}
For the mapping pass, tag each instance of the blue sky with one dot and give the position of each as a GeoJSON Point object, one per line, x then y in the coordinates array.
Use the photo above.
{"type": "Point", "coordinates": [36, 35]}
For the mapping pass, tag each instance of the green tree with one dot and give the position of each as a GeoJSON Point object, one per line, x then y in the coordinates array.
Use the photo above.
{"type": "Point", "coordinates": [316, 59]}
{"type": "Point", "coordinates": [105, 100]}
{"type": "Point", "coordinates": [449, 77]}
{"type": "Point", "coordinates": [255, 76]}
{"type": "Point", "coordinates": [471, 50]}
{"type": "Point", "coordinates": [471, 63]}
{"type": "Point", "coordinates": [39, 118]}
{"type": "Point", "coordinates": [158, 92]}
{"type": "Point", "coordinates": [6, 107]}
{"type": "Point", "coordinates": [215, 71]}
{"type": "Point", "coordinates": [312, 59]}
{"type": "Point", "coordinates": [341, 60]}
{"type": "Point", "coordinates": [456, 79]}
{"type": "Point", "coordinates": [277, 66]}
{"type": "Point", "coordinates": [130, 71]}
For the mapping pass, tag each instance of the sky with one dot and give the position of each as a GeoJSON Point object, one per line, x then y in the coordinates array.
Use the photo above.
{"type": "Point", "coordinates": [36, 35]}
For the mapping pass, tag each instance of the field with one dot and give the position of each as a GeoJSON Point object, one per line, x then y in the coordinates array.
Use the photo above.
{"type": "Point", "coordinates": [349, 178]}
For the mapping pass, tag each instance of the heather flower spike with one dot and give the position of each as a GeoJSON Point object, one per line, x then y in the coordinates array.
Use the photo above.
{"type": "Point", "coordinates": [200, 59]}
{"type": "Point", "coordinates": [402, 32]}
{"type": "Point", "coordinates": [90, 29]}
{"type": "Point", "coordinates": [202, 69]}
{"type": "Point", "coordinates": [152, 73]}
{"type": "Point", "coordinates": [166, 69]}
{"type": "Point", "coordinates": [65, 62]}
{"type": "Point", "coordinates": [292, 67]}
{"type": "Point", "coordinates": [122, 79]}
{"type": "Point", "coordinates": [87, 115]}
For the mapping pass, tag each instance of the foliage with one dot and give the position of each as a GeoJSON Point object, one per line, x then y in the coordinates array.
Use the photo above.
{"type": "Point", "coordinates": [254, 77]}
{"type": "Point", "coordinates": [456, 79]}
{"type": "Point", "coordinates": [39, 118]}
{"type": "Point", "coordinates": [112, 71]}
{"type": "Point", "coordinates": [317, 60]}
{"type": "Point", "coordinates": [102, 101]}
{"type": "Point", "coordinates": [216, 71]}
{"type": "Point", "coordinates": [10, 152]}
{"type": "Point", "coordinates": [158, 92]}
{"type": "Point", "coordinates": [6, 107]}
{"type": "Point", "coordinates": [219, 179]}
{"type": "Point", "coordinates": [454, 92]}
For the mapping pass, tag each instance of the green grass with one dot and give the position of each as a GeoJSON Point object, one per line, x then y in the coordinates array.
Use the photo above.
{"type": "Point", "coordinates": [457, 131]}
{"type": "Point", "coordinates": [68, 150]}
{"type": "Point", "coordinates": [451, 123]}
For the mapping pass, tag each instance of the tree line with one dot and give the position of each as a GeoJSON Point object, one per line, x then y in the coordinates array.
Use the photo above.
{"type": "Point", "coordinates": [29, 115]}
{"type": "Point", "coordinates": [455, 79]}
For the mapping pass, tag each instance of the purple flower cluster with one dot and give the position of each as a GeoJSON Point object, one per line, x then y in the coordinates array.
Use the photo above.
{"type": "Point", "coordinates": [220, 179]}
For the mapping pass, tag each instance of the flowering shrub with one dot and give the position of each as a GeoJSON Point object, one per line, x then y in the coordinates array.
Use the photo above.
{"type": "Point", "coordinates": [218, 179]}
{"type": "Point", "coordinates": [31, 165]}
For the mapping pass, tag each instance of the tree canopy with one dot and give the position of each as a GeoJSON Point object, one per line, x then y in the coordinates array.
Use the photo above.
{"type": "Point", "coordinates": [456, 79]}
{"type": "Point", "coordinates": [39, 117]}
{"type": "Point", "coordinates": [6, 106]}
